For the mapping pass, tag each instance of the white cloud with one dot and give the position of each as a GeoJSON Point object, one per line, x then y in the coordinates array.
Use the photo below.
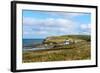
{"type": "Point", "coordinates": [66, 14]}
{"type": "Point", "coordinates": [52, 26]}
{"type": "Point", "coordinates": [26, 32]}
{"type": "Point", "coordinates": [85, 26]}
{"type": "Point", "coordinates": [42, 26]}
{"type": "Point", "coordinates": [50, 22]}
{"type": "Point", "coordinates": [86, 33]}
{"type": "Point", "coordinates": [28, 21]}
{"type": "Point", "coordinates": [35, 33]}
{"type": "Point", "coordinates": [41, 32]}
{"type": "Point", "coordinates": [47, 27]}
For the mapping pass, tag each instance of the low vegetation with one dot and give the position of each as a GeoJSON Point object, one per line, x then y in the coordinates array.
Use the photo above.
{"type": "Point", "coordinates": [80, 50]}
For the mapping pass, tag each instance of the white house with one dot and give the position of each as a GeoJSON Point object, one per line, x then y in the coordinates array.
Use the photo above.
{"type": "Point", "coordinates": [66, 42]}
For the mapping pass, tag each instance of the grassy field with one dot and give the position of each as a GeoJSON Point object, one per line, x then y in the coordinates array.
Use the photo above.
{"type": "Point", "coordinates": [75, 51]}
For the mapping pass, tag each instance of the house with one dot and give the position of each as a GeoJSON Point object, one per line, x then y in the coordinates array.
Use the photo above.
{"type": "Point", "coordinates": [66, 42]}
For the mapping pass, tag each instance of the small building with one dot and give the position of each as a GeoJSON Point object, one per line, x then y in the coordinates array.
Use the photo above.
{"type": "Point", "coordinates": [66, 42]}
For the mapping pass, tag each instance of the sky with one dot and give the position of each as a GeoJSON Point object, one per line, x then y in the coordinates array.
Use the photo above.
{"type": "Point", "coordinates": [42, 24]}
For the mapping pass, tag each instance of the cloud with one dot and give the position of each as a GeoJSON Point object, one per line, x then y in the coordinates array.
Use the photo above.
{"type": "Point", "coordinates": [28, 20]}
{"type": "Point", "coordinates": [50, 24]}
{"type": "Point", "coordinates": [85, 26]}
{"type": "Point", "coordinates": [53, 26]}
{"type": "Point", "coordinates": [33, 33]}
{"type": "Point", "coordinates": [66, 14]}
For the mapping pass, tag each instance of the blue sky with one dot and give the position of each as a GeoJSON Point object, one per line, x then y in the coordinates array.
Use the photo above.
{"type": "Point", "coordinates": [42, 24]}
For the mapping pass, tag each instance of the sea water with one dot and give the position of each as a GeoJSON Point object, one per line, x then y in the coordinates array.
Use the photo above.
{"type": "Point", "coordinates": [29, 44]}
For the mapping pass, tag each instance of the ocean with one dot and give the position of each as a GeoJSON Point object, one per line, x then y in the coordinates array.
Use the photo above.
{"type": "Point", "coordinates": [30, 43]}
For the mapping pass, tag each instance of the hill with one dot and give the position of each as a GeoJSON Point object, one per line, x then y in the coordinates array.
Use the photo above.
{"type": "Point", "coordinates": [79, 48]}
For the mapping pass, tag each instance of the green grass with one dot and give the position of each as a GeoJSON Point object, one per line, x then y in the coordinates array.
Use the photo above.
{"type": "Point", "coordinates": [58, 39]}
{"type": "Point", "coordinates": [78, 51]}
